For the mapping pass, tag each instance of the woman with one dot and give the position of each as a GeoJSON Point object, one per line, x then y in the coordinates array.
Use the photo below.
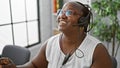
{"type": "Point", "coordinates": [73, 47]}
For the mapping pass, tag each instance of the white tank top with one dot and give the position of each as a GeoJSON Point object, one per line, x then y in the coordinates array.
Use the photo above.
{"type": "Point", "coordinates": [81, 58]}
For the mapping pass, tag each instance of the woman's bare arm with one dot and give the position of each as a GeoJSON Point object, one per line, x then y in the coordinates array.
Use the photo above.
{"type": "Point", "coordinates": [101, 58]}
{"type": "Point", "coordinates": [39, 61]}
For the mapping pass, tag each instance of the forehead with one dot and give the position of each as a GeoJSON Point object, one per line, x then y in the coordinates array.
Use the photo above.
{"type": "Point", "coordinates": [72, 6]}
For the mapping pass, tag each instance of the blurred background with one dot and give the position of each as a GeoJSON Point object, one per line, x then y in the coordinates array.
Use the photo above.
{"type": "Point", "coordinates": [29, 23]}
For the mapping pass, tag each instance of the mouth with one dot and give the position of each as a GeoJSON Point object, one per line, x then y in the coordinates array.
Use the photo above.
{"type": "Point", "coordinates": [62, 23]}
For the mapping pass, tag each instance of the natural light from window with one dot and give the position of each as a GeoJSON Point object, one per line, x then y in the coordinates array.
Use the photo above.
{"type": "Point", "coordinates": [18, 23]}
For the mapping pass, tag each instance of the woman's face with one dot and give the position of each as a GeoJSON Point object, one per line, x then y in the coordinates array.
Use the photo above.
{"type": "Point", "coordinates": [68, 17]}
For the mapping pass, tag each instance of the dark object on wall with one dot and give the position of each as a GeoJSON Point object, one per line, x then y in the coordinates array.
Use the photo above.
{"type": "Point", "coordinates": [114, 61]}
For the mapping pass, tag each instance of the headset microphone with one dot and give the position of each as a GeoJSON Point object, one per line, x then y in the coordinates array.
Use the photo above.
{"type": "Point", "coordinates": [80, 24]}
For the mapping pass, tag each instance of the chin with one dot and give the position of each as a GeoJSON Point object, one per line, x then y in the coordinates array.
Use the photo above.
{"type": "Point", "coordinates": [61, 29]}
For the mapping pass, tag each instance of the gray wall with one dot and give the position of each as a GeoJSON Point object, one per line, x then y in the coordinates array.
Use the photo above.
{"type": "Point", "coordinates": [45, 19]}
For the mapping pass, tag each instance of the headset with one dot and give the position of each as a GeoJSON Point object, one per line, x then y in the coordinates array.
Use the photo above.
{"type": "Point", "coordinates": [84, 21]}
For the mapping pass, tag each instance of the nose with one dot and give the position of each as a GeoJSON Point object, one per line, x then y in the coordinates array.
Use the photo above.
{"type": "Point", "coordinates": [62, 15]}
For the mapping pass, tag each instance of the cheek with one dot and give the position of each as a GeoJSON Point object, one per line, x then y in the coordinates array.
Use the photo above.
{"type": "Point", "coordinates": [73, 21]}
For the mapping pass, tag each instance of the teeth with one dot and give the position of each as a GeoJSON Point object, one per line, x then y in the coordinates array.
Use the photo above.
{"type": "Point", "coordinates": [62, 22]}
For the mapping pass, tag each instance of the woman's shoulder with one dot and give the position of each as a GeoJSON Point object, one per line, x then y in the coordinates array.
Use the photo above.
{"type": "Point", "coordinates": [92, 38]}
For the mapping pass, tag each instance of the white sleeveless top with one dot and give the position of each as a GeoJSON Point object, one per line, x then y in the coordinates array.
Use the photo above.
{"type": "Point", "coordinates": [81, 58]}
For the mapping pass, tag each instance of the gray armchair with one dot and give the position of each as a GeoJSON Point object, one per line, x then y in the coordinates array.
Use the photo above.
{"type": "Point", "coordinates": [19, 55]}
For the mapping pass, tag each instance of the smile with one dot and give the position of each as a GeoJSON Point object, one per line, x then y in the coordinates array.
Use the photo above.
{"type": "Point", "coordinates": [62, 23]}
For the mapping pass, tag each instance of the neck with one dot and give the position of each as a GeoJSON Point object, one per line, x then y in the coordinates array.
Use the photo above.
{"type": "Point", "coordinates": [73, 38]}
{"type": "Point", "coordinates": [69, 43]}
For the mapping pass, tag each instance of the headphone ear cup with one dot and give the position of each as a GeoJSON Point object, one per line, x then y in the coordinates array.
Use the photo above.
{"type": "Point", "coordinates": [81, 21]}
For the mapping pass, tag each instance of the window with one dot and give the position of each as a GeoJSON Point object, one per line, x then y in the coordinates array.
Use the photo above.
{"type": "Point", "coordinates": [19, 23]}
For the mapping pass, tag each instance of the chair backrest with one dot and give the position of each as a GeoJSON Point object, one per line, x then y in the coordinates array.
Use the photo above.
{"type": "Point", "coordinates": [19, 55]}
{"type": "Point", "coordinates": [114, 61]}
